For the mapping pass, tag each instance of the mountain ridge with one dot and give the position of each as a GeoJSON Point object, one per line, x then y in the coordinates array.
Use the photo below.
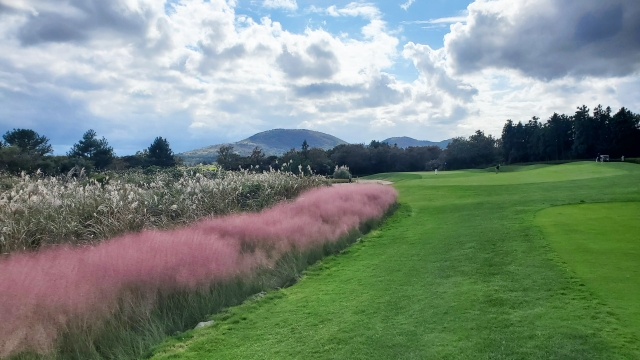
{"type": "Point", "coordinates": [405, 142]}
{"type": "Point", "coordinates": [272, 142]}
{"type": "Point", "coordinates": [279, 141]}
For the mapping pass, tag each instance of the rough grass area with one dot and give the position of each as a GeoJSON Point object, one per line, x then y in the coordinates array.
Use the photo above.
{"type": "Point", "coordinates": [117, 298]}
{"type": "Point", "coordinates": [37, 210]}
{"type": "Point", "coordinates": [460, 271]}
{"type": "Point", "coordinates": [600, 243]}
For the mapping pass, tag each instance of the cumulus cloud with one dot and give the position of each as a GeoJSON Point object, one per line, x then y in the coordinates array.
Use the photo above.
{"type": "Point", "coordinates": [194, 70]}
{"type": "Point", "coordinates": [430, 63]}
{"type": "Point", "coordinates": [316, 61]}
{"type": "Point", "coordinates": [548, 39]}
{"type": "Point", "coordinates": [199, 72]}
{"type": "Point", "coordinates": [280, 4]}
{"type": "Point", "coordinates": [79, 20]}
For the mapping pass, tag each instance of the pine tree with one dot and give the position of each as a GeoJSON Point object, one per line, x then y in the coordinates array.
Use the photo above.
{"type": "Point", "coordinates": [160, 153]}
{"type": "Point", "coordinates": [91, 148]}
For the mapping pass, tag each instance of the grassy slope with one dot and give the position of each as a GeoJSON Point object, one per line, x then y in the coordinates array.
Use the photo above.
{"type": "Point", "coordinates": [459, 271]}
{"type": "Point", "coordinates": [601, 243]}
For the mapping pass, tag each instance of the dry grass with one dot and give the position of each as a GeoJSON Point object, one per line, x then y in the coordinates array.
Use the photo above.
{"type": "Point", "coordinates": [71, 301]}
{"type": "Point", "coordinates": [38, 210]}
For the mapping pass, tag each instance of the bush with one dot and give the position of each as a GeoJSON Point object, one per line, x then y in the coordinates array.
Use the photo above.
{"type": "Point", "coordinates": [341, 172]}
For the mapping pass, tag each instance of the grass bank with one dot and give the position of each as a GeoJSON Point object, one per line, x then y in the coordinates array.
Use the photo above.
{"type": "Point", "coordinates": [459, 271]}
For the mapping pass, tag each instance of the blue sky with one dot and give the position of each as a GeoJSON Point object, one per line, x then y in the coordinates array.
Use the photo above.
{"type": "Point", "coordinates": [396, 17]}
{"type": "Point", "coordinates": [202, 72]}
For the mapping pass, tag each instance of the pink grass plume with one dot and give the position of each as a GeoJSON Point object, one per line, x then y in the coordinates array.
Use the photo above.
{"type": "Point", "coordinates": [43, 293]}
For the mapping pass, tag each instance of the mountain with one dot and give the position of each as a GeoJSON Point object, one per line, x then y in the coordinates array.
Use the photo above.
{"type": "Point", "coordinates": [272, 142]}
{"type": "Point", "coordinates": [405, 141]}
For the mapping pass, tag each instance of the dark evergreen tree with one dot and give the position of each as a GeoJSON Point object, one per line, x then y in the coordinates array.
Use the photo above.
{"type": "Point", "coordinates": [585, 135]}
{"type": "Point", "coordinates": [28, 141]}
{"type": "Point", "coordinates": [559, 137]}
{"type": "Point", "coordinates": [602, 129]}
{"type": "Point", "coordinates": [160, 154]}
{"type": "Point", "coordinates": [625, 134]}
{"type": "Point", "coordinates": [93, 149]}
{"type": "Point", "coordinates": [305, 149]}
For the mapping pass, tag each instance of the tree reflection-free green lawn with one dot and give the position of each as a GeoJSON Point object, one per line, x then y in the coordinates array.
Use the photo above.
{"type": "Point", "coordinates": [600, 243]}
{"type": "Point", "coordinates": [462, 270]}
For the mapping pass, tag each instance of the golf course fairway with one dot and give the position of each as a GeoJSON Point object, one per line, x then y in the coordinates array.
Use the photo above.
{"type": "Point", "coordinates": [601, 244]}
{"type": "Point", "coordinates": [472, 265]}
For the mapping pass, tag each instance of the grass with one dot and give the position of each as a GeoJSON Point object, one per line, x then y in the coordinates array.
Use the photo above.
{"type": "Point", "coordinates": [116, 299]}
{"type": "Point", "coordinates": [460, 271]}
{"type": "Point", "coordinates": [37, 211]}
{"type": "Point", "coordinates": [601, 244]}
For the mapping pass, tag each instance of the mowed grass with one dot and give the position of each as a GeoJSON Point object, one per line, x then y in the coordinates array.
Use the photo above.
{"type": "Point", "coordinates": [601, 244]}
{"type": "Point", "coordinates": [460, 271]}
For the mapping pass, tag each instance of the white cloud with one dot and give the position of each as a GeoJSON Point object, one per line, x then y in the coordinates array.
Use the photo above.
{"type": "Point", "coordinates": [198, 74]}
{"type": "Point", "coordinates": [280, 4]}
{"type": "Point", "coordinates": [201, 74]}
{"type": "Point", "coordinates": [444, 20]}
{"type": "Point", "coordinates": [353, 9]}
{"type": "Point", "coordinates": [548, 39]}
{"type": "Point", "coordinates": [406, 5]}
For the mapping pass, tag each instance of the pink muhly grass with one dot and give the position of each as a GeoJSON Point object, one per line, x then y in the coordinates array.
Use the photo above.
{"type": "Point", "coordinates": [46, 292]}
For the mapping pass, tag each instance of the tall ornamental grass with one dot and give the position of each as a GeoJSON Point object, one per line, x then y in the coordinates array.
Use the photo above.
{"type": "Point", "coordinates": [117, 298]}
{"type": "Point", "coordinates": [37, 210]}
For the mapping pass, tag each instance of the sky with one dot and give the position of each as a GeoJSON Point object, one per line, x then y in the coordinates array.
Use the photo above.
{"type": "Point", "coordinates": [203, 72]}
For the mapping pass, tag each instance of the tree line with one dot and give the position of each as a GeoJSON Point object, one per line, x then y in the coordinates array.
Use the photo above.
{"type": "Point", "coordinates": [361, 159]}
{"type": "Point", "coordinates": [26, 150]}
{"type": "Point", "coordinates": [582, 135]}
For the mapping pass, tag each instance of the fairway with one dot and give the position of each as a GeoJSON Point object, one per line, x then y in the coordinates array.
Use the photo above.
{"type": "Point", "coordinates": [601, 244]}
{"type": "Point", "coordinates": [462, 270]}
{"type": "Point", "coordinates": [517, 174]}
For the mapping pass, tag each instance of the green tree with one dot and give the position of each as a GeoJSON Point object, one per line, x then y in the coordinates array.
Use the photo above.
{"type": "Point", "coordinates": [160, 154]}
{"type": "Point", "coordinates": [476, 151]}
{"type": "Point", "coordinates": [585, 134]}
{"type": "Point", "coordinates": [257, 157]}
{"type": "Point", "coordinates": [28, 141]}
{"type": "Point", "coordinates": [625, 134]}
{"type": "Point", "coordinates": [227, 159]}
{"type": "Point", "coordinates": [305, 149]}
{"type": "Point", "coordinates": [91, 148]}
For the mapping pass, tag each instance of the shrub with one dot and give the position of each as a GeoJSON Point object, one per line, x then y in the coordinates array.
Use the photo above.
{"type": "Point", "coordinates": [341, 172]}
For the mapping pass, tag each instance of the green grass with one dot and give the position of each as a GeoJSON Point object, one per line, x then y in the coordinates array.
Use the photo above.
{"type": "Point", "coordinates": [460, 271]}
{"type": "Point", "coordinates": [601, 244]}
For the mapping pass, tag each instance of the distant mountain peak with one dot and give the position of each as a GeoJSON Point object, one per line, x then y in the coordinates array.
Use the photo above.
{"type": "Point", "coordinates": [272, 142]}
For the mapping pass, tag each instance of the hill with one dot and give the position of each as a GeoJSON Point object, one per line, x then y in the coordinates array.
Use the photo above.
{"type": "Point", "coordinates": [272, 142]}
{"type": "Point", "coordinates": [405, 141]}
